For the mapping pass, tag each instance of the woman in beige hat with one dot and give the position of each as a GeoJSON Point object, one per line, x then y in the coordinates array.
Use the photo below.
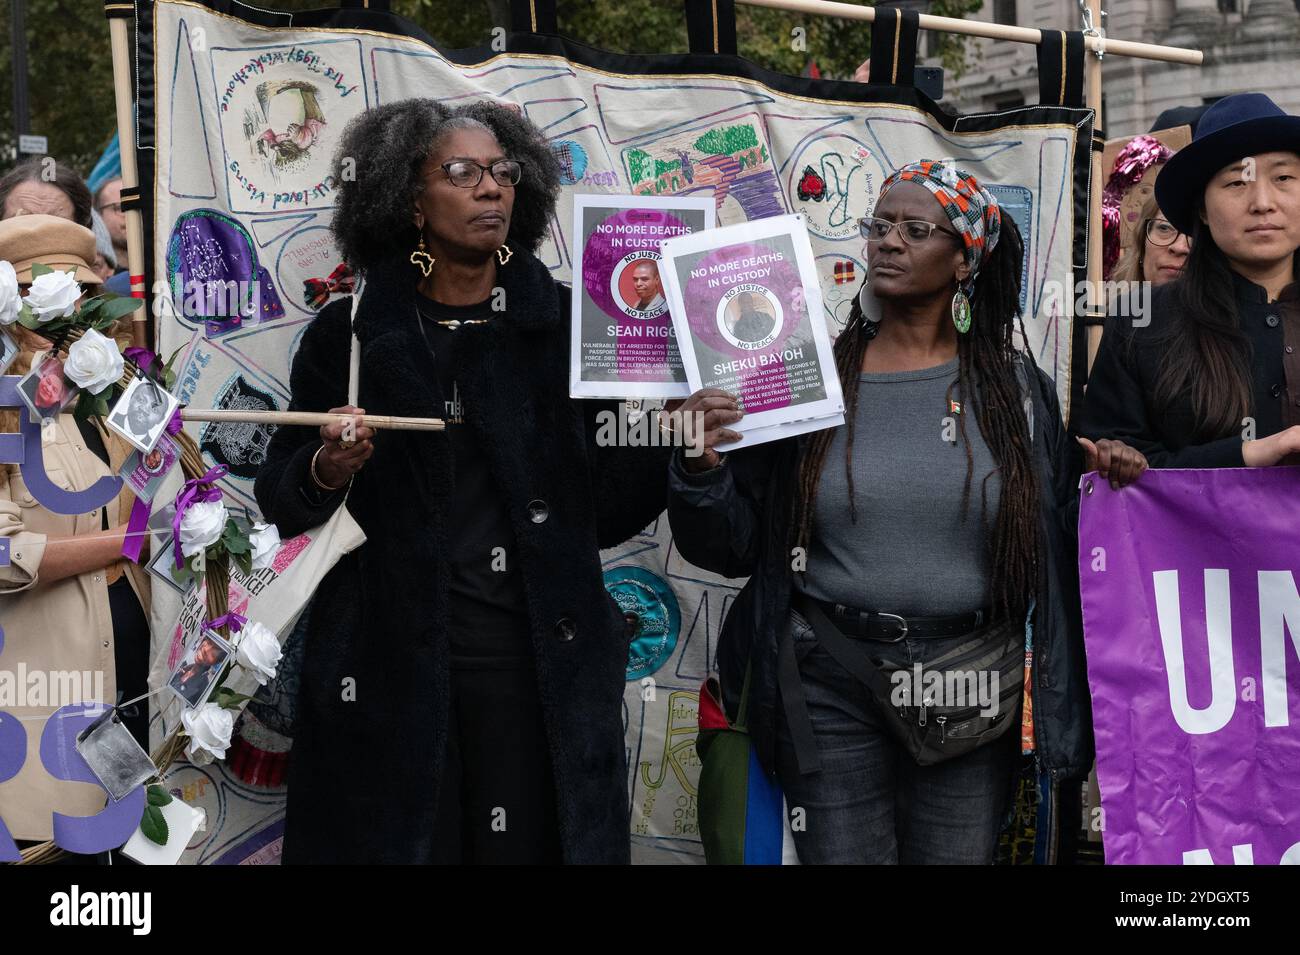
{"type": "Point", "coordinates": [69, 602]}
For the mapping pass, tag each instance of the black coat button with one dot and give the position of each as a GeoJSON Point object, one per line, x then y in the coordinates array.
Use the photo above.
{"type": "Point", "coordinates": [538, 511]}
{"type": "Point", "coordinates": [565, 629]}
{"type": "Point", "coordinates": [1277, 391]}
{"type": "Point", "coordinates": [1272, 321]}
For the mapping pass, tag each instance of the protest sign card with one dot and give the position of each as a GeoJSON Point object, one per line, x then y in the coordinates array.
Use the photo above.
{"type": "Point", "coordinates": [747, 306]}
{"type": "Point", "coordinates": [623, 343]}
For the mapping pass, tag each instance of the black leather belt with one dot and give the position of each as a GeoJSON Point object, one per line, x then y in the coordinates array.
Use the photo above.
{"type": "Point", "coordinates": [875, 625]}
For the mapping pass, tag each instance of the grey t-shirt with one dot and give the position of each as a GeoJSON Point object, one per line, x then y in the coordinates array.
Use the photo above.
{"type": "Point", "coordinates": [911, 551]}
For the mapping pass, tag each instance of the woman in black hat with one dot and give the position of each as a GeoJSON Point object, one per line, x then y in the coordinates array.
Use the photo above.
{"type": "Point", "coordinates": [1211, 377]}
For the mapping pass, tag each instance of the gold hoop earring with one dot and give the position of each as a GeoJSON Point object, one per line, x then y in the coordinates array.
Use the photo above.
{"type": "Point", "coordinates": [503, 259]}
{"type": "Point", "coordinates": [422, 258]}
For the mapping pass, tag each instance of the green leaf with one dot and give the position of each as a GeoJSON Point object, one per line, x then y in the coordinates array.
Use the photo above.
{"type": "Point", "coordinates": [235, 539]}
{"type": "Point", "coordinates": [157, 796]}
{"type": "Point", "coordinates": [118, 307]}
{"type": "Point", "coordinates": [172, 360]}
{"type": "Point", "coordinates": [228, 699]}
{"type": "Point", "coordinates": [85, 406]}
{"type": "Point", "coordinates": [245, 563]}
{"type": "Point", "coordinates": [39, 269]}
{"type": "Point", "coordinates": [154, 825]}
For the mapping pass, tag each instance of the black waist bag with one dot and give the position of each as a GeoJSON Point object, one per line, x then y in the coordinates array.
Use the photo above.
{"type": "Point", "coordinates": [931, 731]}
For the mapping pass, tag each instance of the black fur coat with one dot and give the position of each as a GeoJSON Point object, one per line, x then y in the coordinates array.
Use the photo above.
{"type": "Point", "coordinates": [364, 773]}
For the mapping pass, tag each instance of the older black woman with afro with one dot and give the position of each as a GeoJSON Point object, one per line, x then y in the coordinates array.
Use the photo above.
{"type": "Point", "coordinates": [463, 674]}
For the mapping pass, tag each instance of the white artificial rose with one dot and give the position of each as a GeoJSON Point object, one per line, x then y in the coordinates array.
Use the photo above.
{"type": "Point", "coordinates": [53, 295]}
{"type": "Point", "coordinates": [209, 728]}
{"type": "Point", "coordinates": [201, 526]}
{"type": "Point", "coordinates": [94, 362]}
{"type": "Point", "coordinates": [259, 651]}
{"type": "Point", "coordinates": [10, 300]}
{"type": "Point", "coordinates": [265, 539]}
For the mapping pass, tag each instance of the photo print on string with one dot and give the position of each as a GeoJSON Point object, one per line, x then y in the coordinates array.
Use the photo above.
{"type": "Point", "coordinates": [195, 675]}
{"type": "Point", "coordinates": [45, 389]}
{"type": "Point", "coordinates": [747, 306]}
{"type": "Point", "coordinates": [141, 414]}
{"type": "Point", "coordinates": [144, 472]}
{"type": "Point", "coordinates": [623, 343]}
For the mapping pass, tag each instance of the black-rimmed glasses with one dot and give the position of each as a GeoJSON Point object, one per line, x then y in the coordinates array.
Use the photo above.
{"type": "Point", "coordinates": [1162, 233]}
{"type": "Point", "coordinates": [467, 174]}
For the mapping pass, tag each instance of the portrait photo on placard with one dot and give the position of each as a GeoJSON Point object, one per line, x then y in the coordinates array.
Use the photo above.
{"type": "Point", "coordinates": [144, 471]}
{"type": "Point", "coordinates": [142, 413]}
{"type": "Point", "coordinates": [45, 390]}
{"type": "Point", "coordinates": [195, 675]}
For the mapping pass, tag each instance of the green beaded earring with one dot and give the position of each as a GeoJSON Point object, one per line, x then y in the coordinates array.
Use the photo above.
{"type": "Point", "coordinates": [961, 310]}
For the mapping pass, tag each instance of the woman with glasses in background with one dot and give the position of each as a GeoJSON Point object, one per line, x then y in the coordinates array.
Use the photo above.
{"type": "Point", "coordinates": [1158, 251]}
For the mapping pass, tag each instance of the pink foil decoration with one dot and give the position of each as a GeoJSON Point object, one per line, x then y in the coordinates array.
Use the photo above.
{"type": "Point", "coordinates": [1137, 156]}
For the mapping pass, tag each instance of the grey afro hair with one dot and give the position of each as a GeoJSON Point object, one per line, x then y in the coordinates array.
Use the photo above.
{"type": "Point", "coordinates": [377, 174]}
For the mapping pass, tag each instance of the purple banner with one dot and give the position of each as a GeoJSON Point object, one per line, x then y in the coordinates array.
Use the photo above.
{"type": "Point", "coordinates": [1192, 624]}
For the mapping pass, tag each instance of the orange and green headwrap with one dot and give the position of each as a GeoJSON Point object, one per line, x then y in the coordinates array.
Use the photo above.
{"type": "Point", "coordinates": [973, 212]}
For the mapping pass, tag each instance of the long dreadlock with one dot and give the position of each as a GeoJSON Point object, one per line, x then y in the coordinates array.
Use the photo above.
{"type": "Point", "coordinates": [986, 356]}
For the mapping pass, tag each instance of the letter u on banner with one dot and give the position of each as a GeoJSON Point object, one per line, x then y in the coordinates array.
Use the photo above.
{"type": "Point", "coordinates": [1218, 632]}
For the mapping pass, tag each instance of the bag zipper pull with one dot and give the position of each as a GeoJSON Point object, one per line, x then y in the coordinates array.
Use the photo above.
{"type": "Point", "coordinates": [924, 704]}
{"type": "Point", "coordinates": [941, 720]}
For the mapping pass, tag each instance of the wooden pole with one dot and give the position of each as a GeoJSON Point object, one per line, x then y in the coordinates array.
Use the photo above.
{"type": "Point", "coordinates": [1092, 98]}
{"type": "Point", "coordinates": [992, 31]}
{"type": "Point", "coordinates": [312, 419]}
{"type": "Point", "coordinates": [121, 44]}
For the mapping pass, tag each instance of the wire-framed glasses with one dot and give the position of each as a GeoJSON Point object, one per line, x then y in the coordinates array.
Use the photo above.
{"type": "Point", "coordinates": [913, 231]}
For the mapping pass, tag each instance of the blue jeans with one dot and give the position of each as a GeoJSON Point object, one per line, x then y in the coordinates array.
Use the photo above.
{"type": "Point", "coordinates": [871, 803]}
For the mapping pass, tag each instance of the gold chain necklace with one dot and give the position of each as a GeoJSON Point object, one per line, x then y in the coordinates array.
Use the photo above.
{"type": "Point", "coordinates": [451, 323]}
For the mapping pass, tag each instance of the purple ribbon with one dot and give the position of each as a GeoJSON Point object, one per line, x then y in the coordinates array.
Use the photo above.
{"type": "Point", "coordinates": [135, 530]}
{"type": "Point", "coordinates": [192, 493]}
{"type": "Point", "coordinates": [232, 620]}
{"type": "Point", "coordinates": [175, 425]}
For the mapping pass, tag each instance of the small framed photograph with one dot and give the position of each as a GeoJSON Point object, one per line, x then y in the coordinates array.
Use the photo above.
{"type": "Point", "coordinates": [45, 390]}
{"type": "Point", "coordinates": [197, 673]}
{"type": "Point", "coordinates": [142, 413]}
{"type": "Point", "coordinates": [162, 564]}
{"type": "Point", "coordinates": [144, 472]}
{"type": "Point", "coordinates": [8, 350]}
